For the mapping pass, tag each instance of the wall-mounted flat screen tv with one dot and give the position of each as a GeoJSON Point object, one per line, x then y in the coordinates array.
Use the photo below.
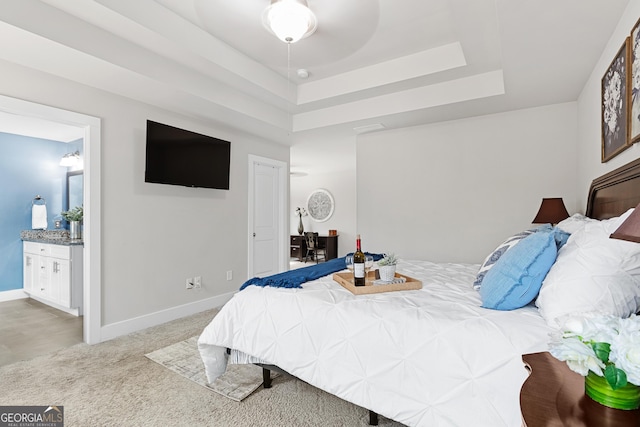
{"type": "Point", "coordinates": [181, 157]}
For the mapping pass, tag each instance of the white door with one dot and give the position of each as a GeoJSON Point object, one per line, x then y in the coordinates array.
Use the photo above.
{"type": "Point", "coordinates": [43, 290]}
{"type": "Point", "coordinates": [267, 216]}
{"type": "Point", "coordinates": [31, 271]}
{"type": "Point", "coordinates": [61, 282]}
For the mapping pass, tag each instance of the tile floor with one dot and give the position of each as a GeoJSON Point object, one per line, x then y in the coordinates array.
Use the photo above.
{"type": "Point", "coordinates": [29, 328]}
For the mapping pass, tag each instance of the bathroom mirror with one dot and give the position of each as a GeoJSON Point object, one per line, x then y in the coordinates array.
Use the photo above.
{"type": "Point", "coordinates": [74, 189]}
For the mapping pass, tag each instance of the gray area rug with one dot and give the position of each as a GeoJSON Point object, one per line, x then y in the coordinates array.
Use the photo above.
{"type": "Point", "coordinates": [183, 358]}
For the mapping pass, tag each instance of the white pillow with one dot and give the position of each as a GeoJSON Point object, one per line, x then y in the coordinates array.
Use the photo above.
{"type": "Point", "coordinates": [574, 223]}
{"type": "Point", "coordinates": [593, 273]}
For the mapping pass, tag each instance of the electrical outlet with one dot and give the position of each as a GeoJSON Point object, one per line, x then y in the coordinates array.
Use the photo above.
{"type": "Point", "coordinates": [229, 274]}
{"type": "Point", "coordinates": [189, 283]}
{"type": "Point", "coordinates": [197, 282]}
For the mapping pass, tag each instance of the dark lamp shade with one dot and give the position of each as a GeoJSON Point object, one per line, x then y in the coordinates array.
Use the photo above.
{"type": "Point", "coordinates": [630, 229]}
{"type": "Point", "coordinates": [551, 211]}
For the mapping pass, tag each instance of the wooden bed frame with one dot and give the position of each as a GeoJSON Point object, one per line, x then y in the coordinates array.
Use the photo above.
{"type": "Point", "coordinates": [614, 193]}
{"type": "Point", "coordinates": [551, 396]}
{"type": "Point", "coordinates": [610, 195]}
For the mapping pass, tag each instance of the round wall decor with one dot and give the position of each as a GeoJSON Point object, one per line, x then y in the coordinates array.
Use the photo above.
{"type": "Point", "coordinates": [320, 205]}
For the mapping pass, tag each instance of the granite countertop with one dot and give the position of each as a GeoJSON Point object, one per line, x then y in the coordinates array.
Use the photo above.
{"type": "Point", "coordinates": [55, 237]}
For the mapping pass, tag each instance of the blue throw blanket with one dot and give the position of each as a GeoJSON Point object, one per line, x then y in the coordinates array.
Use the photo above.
{"type": "Point", "coordinates": [295, 278]}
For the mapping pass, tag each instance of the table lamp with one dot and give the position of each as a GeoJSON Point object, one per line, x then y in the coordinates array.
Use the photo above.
{"type": "Point", "coordinates": [629, 230]}
{"type": "Point", "coordinates": [552, 211]}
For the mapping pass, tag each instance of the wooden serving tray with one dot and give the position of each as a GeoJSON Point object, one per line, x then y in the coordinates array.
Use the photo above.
{"type": "Point", "coordinates": [346, 280]}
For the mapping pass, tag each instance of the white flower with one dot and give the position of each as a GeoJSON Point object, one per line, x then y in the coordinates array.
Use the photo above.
{"type": "Point", "coordinates": [591, 327]}
{"type": "Point", "coordinates": [593, 342]}
{"type": "Point", "coordinates": [625, 349]}
{"type": "Point", "coordinates": [579, 356]}
{"type": "Point", "coordinates": [612, 101]}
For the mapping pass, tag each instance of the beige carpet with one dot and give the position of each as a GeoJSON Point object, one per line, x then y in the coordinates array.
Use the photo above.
{"type": "Point", "coordinates": [114, 384]}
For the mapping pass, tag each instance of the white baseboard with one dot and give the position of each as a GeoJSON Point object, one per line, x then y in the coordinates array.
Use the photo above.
{"type": "Point", "coordinates": [72, 311]}
{"type": "Point", "coordinates": [12, 295]}
{"type": "Point", "coordinates": [125, 327]}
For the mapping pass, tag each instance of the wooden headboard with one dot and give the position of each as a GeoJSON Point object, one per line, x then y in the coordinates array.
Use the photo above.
{"type": "Point", "coordinates": [614, 193]}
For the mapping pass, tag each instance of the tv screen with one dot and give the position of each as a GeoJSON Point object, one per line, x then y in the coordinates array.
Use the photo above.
{"type": "Point", "coordinates": [181, 157]}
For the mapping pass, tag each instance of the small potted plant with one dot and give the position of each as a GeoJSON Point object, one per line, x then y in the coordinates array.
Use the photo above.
{"type": "Point", "coordinates": [387, 267]}
{"type": "Point", "coordinates": [74, 217]}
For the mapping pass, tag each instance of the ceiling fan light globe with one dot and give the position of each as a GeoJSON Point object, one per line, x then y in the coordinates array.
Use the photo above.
{"type": "Point", "coordinates": [289, 20]}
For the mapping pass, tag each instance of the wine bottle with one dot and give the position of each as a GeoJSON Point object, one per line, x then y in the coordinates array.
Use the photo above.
{"type": "Point", "coordinates": [358, 264]}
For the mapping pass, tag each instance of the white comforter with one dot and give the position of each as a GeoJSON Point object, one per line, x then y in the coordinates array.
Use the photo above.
{"type": "Point", "coordinates": [431, 357]}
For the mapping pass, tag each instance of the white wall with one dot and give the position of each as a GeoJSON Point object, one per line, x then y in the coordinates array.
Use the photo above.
{"type": "Point", "coordinates": [329, 162]}
{"type": "Point", "coordinates": [589, 112]}
{"type": "Point", "coordinates": [341, 185]}
{"type": "Point", "coordinates": [452, 191]}
{"type": "Point", "coordinates": [154, 236]}
{"type": "Point", "coordinates": [459, 188]}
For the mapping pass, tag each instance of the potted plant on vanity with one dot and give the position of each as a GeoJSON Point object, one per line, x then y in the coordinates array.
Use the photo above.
{"type": "Point", "coordinates": [387, 267]}
{"type": "Point", "coordinates": [74, 218]}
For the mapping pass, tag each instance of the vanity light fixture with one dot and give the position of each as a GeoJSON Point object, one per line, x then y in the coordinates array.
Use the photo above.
{"type": "Point", "coordinates": [70, 159]}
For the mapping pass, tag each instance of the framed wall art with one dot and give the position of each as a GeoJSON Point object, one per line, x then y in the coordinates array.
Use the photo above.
{"type": "Point", "coordinates": [634, 85]}
{"type": "Point", "coordinates": [320, 205]}
{"type": "Point", "coordinates": [615, 129]}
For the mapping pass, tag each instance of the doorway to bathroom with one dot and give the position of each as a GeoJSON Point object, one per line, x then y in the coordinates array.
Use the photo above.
{"type": "Point", "coordinates": [89, 128]}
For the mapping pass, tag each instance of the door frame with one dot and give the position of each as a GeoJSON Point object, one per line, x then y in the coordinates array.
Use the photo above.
{"type": "Point", "coordinates": [283, 208]}
{"type": "Point", "coordinates": [92, 286]}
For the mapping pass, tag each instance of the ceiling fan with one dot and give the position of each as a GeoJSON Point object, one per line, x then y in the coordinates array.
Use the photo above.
{"type": "Point", "coordinates": [340, 29]}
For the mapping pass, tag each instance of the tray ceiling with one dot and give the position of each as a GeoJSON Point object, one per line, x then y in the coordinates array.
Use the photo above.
{"type": "Point", "coordinates": [369, 62]}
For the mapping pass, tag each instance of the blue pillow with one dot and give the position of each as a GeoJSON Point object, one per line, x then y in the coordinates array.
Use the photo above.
{"type": "Point", "coordinates": [494, 256]}
{"type": "Point", "coordinates": [516, 278]}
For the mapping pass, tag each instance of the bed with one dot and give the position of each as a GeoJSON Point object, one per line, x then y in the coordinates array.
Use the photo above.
{"type": "Point", "coordinates": [435, 356]}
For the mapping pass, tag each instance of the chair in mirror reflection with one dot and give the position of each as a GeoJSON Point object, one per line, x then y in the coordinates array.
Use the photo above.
{"type": "Point", "coordinates": [314, 250]}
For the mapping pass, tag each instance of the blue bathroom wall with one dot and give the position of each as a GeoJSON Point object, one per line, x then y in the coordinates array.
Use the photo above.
{"type": "Point", "coordinates": [28, 167]}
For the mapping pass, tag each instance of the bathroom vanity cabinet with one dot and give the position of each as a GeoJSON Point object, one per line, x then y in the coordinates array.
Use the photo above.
{"type": "Point", "coordinates": [53, 275]}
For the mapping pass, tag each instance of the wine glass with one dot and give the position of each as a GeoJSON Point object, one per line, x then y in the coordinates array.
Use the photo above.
{"type": "Point", "coordinates": [368, 263]}
{"type": "Point", "coordinates": [348, 260]}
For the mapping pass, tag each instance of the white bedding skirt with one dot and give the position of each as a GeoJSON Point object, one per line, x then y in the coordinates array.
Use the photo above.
{"type": "Point", "coordinates": [431, 357]}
